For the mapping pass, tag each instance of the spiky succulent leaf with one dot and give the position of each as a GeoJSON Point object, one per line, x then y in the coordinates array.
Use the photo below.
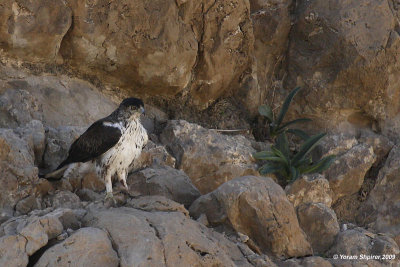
{"type": "Point", "coordinates": [269, 168]}
{"type": "Point", "coordinates": [282, 145]}
{"type": "Point", "coordinates": [321, 165]}
{"type": "Point", "coordinates": [278, 153]}
{"type": "Point", "coordinates": [303, 135]}
{"type": "Point", "coordinates": [266, 111]}
{"type": "Point", "coordinates": [286, 105]}
{"type": "Point", "coordinates": [285, 125]}
{"type": "Point", "coordinates": [262, 155]}
{"type": "Point", "coordinates": [307, 147]}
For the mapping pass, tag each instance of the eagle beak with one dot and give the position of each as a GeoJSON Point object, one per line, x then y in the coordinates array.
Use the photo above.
{"type": "Point", "coordinates": [142, 110]}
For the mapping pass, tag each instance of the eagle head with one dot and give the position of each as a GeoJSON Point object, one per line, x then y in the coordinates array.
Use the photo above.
{"type": "Point", "coordinates": [131, 107]}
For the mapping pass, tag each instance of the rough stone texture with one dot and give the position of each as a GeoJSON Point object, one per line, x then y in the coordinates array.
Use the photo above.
{"type": "Point", "coordinates": [156, 203]}
{"type": "Point", "coordinates": [34, 134]}
{"type": "Point", "coordinates": [345, 56]}
{"type": "Point", "coordinates": [312, 188]}
{"type": "Point", "coordinates": [382, 206]}
{"type": "Point", "coordinates": [381, 144]}
{"type": "Point", "coordinates": [55, 100]}
{"type": "Point", "coordinates": [306, 262]}
{"type": "Point", "coordinates": [258, 208]}
{"type": "Point", "coordinates": [165, 181]}
{"type": "Point", "coordinates": [153, 154]}
{"type": "Point", "coordinates": [28, 204]}
{"type": "Point", "coordinates": [17, 169]}
{"type": "Point", "coordinates": [63, 199]}
{"type": "Point", "coordinates": [33, 30]}
{"type": "Point", "coordinates": [271, 25]}
{"type": "Point", "coordinates": [358, 263]}
{"type": "Point", "coordinates": [86, 247]}
{"type": "Point", "coordinates": [58, 141]}
{"type": "Point", "coordinates": [319, 222]}
{"type": "Point", "coordinates": [207, 157]}
{"type": "Point", "coordinates": [359, 241]}
{"type": "Point", "coordinates": [12, 251]}
{"type": "Point", "coordinates": [164, 238]}
{"type": "Point", "coordinates": [346, 174]}
{"type": "Point", "coordinates": [36, 230]}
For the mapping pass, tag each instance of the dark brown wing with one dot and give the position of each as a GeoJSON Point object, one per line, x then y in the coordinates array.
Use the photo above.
{"type": "Point", "coordinates": [96, 140]}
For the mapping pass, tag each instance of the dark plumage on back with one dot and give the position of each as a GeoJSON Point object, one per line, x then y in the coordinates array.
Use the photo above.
{"type": "Point", "coordinates": [95, 141]}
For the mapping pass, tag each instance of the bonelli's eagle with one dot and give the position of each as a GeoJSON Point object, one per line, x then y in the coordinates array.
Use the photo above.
{"type": "Point", "coordinates": [112, 143]}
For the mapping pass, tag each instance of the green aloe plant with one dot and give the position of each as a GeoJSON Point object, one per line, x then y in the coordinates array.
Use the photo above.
{"type": "Point", "coordinates": [290, 165]}
{"type": "Point", "coordinates": [276, 125]}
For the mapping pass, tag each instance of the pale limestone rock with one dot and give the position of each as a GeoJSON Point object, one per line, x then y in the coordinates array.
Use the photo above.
{"type": "Point", "coordinates": [258, 208]}
{"type": "Point", "coordinates": [311, 188]}
{"type": "Point", "coordinates": [165, 181]}
{"type": "Point", "coordinates": [86, 247]}
{"type": "Point", "coordinates": [206, 156]}
{"type": "Point", "coordinates": [320, 224]}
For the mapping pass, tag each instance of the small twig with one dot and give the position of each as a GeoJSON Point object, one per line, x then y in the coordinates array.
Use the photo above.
{"type": "Point", "coordinates": [230, 131]}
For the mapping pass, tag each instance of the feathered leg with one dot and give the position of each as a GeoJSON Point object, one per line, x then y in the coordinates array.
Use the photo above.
{"type": "Point", "coordinates": [122, 174]}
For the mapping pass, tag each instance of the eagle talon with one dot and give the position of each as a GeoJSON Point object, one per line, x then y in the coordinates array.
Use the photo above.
{"type": "Point", "coordinates": [110, 197]}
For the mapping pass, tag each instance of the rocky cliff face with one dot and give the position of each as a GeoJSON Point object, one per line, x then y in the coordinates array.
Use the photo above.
{"type": "Point", "coordinates": [199, 53]}
{"type": "Point", "coordinates": [195, 197]}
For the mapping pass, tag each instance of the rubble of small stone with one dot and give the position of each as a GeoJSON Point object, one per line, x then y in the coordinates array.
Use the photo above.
{"type": "Point", "coordinates": [194, 198]}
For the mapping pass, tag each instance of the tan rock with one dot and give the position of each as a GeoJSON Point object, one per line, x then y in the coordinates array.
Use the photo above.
{"type": "Point", "coordinates": [12, 251]}
{"type": "Point", "coordinates": [156, 203]}
{"type": "Point", "coordinates": [381, 144]}
{"type": "Point", "coordinates": [165, 181]}
{"type": "Point", "coordinates": [127, 48]}
{"type": "Point", "coordinates": [164, 238]}
{"type": "Point", "coordinates": [207, 157]}
{"type": "Point", "coordinates": [306, 262]}
{"type": "Point", "coordinates": [271, 25]}
{"type": "Point", "coordinates": [359, 241]}
{"type": "Point", "coordinates": [320, 224]}
{"type": "Point", "coordinates": [382, 206]}
{"type": "Point", "coordinates": [153, 154]}
{"type": "Point", "coordinates": [33, 30]}
{"type": "Point", "coordinates": [63, 199]}
{"type": "Point", "coordinates": [56, 100]}
{"type": "Point", "coordinates": [312, 188]}
{"type": "Point", "coordinates": [226, 45]}
{"type": "Point", "coordinates": [331, 42]}
{"type": "Point", "coordinates": [17, 170]}
{"type": "Point", "coordinates": [257, 207]}
{"type": "Point", "coordinates": [346, 174]}
{"type": "Point", "coordinates": [86, 247]}
{"type": "Point", "coordinates": [39, 231]}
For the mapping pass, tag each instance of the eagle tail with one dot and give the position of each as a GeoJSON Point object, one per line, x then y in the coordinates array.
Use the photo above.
{"type": "Point", "coordinates": [57, 173]}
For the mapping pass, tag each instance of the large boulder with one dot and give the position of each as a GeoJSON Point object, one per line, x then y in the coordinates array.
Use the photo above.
{"type": "Point", "coordinates": [271, 26]}
{"type": "Point", "coordinates": [86, 247]}
{"type": "Point", "coordinates": [206, 156]}
{"type": "Point", "coordinates": [258, 208]}
{"type": "Point", "coordinates": [12, 251]}
{"type": "Point", "coordinates": [358, 241]}
{"type": "Point", "coordinates": [54, 100]}
{"type": "Point", "coordinates": [33, 30]}
{"type": "Point", "coordinates": [311, 188]}
{"type": "Point", "coordinates": [382, 208]}
{"type": "Point", "coordinates": [344, 53]}
{"type": "Point", "coordinates": [320, 224]}
{"type": "Point", "coordinates": [164, 239]}
{"type": "Point", "coordinates": [346, 174]}
{"type": "Point", "coordinates": [165, 181]}
{"type": "Point", "coordinates": [17, 170]}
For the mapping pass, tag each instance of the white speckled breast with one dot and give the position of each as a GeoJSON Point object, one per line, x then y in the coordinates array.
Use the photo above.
{"type": "Point", "coordinates": [128, 148]}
